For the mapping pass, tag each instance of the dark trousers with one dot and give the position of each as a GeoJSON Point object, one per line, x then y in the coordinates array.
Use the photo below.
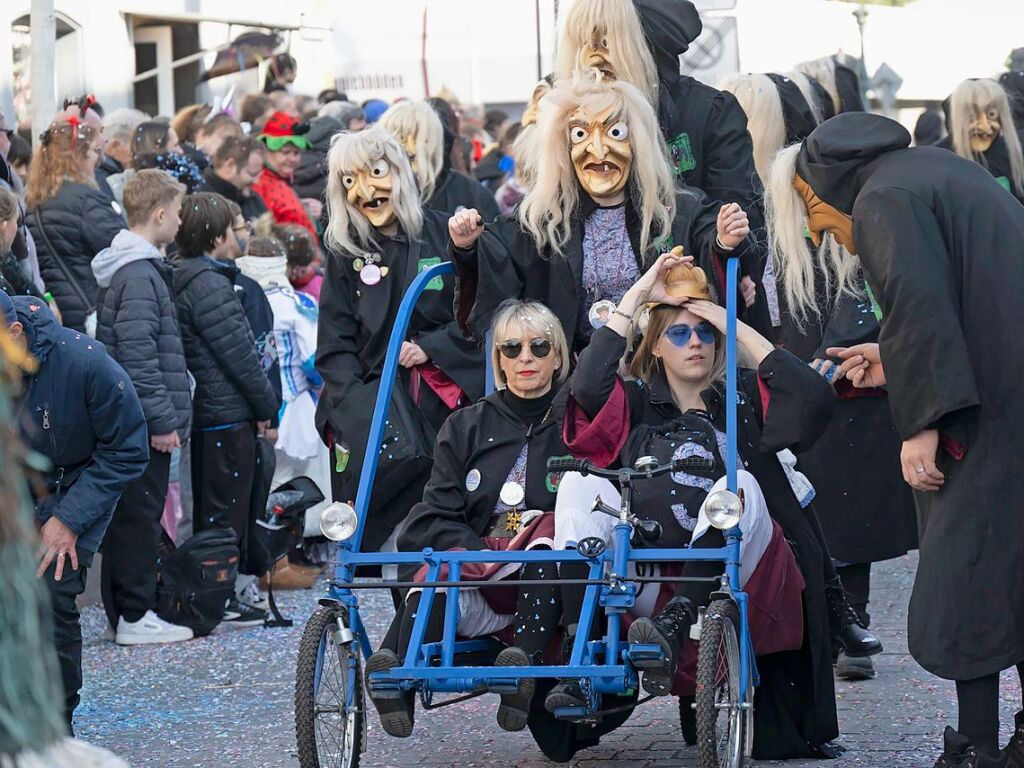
{"type": "Point", "coordinates": [67, 627]}
{"type": "Point", "coordinates": [857, 583]}
{"type": "Point", "coordinates": [223, 468]}
{"type": "Point", "coordinates": [128, 570]}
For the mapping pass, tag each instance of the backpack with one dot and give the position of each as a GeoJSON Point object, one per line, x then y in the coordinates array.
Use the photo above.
{"type": "Point", "coordinates": [195, 581]}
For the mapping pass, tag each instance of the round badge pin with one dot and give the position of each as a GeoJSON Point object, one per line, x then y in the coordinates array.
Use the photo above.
{"type": "Point", "coordinates": [600, 313]}
{"type": "Point", "coordinates": [512, 494]}
{"type": "Point", "coordinates": [473, 480]}
{"type": "Point", "coordinates": [370, 274]}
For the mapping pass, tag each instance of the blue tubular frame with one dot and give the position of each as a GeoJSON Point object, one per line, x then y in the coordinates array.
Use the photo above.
{"type": "Point", "coordinates": [602, 663]}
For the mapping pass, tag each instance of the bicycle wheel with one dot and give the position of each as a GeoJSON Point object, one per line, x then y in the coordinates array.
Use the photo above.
{"type": "Point", "coordinates": [330, 725]}
{"type": "Point", "coordinates": [720, 720]}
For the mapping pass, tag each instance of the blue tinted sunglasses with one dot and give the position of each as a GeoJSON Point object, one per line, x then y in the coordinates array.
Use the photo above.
{"type": "Point", "coordinates": [680, 334]}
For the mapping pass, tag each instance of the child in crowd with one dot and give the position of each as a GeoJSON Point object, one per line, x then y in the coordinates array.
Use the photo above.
{"type": "Point", "coordinates": [138, 324]}
{"type": "Point", "coordinates": [234, 401]}
{"type": "Point", "coordinates": [304, 268]}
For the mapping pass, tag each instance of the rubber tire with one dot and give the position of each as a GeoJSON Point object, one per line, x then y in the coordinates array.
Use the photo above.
{"type": "Point", "coordinates": [321, 622]}
{"type": "Point", "coordinates": [720, 619]}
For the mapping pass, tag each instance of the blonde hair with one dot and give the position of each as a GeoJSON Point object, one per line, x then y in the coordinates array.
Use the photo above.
{"type": "Point", "coordinates": [546, 211]}
{"type": "Point", "coordinates": [418, 119]}
{"type": "Point", "coordinates": [148, 190]}
{"type": "Point", "coordinates": [57, 159]}
{"type": "Point", "coordinates": [983, 95]}
{"type": "Point", "coordinates": [524, 149]}
{"type": "Point", "coordinates": [824, 71]}
{"type": "Point", "coordinates": [766, 123]}
{"type": "Point", "coordinates": [795, 265]}
{"type": "Point", "coordinates": [645, 363]}
{"type": "Point", "coordinates": [618, 22]}
{"type": "Point", "coordinates": [533, 316]}
{"type": "Point", "coordinates": [348, 230]}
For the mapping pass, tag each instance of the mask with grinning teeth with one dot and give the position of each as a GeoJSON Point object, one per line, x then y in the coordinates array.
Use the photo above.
{"type": "Point", "coordinates": [369, 191]}
{"type": "Point", "coordinates": [602, 154]}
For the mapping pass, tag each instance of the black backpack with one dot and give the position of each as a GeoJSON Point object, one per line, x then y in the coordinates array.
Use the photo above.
{"type": "Point", "coordinates": [195, 581]}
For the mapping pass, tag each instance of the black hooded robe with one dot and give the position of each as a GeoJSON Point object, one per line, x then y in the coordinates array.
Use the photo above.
{"type": "Point", "coordinates": [506, 264]}
{"type": "Point", "coordinates": [355, 325]}
{"type": "Point", "coordinates": [996, 160]}
{"type": "Point", "coordinates": [939, 241]}
{"type": "Point", "coordinates": [455, 191]}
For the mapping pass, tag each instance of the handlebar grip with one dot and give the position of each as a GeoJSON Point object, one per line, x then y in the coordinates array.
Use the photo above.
{"type": "Point", "coordinates": [564, 464]}
{"type": "Point", "coordinates": [692, 462]}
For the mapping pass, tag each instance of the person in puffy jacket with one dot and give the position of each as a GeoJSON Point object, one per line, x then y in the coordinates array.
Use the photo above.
{"type": "Point", "coordinates": [233, 397]}
{"type": "Point", "coordinates": [139, 326]}
{"type": "Point", "coordinates": [80, 411]}
{"type": "Point", "coordinates": [70, 219]}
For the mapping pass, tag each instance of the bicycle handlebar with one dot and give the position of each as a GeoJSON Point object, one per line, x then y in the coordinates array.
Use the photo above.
{"type": "Point", "coordinates": [585, 467]}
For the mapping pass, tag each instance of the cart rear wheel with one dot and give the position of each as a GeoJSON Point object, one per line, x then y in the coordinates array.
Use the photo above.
{"type": "Point", "coordinates": [720, 714]}
{"type": "Point", "coordinates": [329, 702]}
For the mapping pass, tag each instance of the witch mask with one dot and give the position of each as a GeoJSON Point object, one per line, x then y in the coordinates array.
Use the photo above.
{"type": "Point", "coordinates": [601, 152]}
{"type": "Point", "coordinates": [985, 127]}
{"type": "Point", "coordinates": [369, 191]}
{"type": "Point", "coordinates": [822, 217]}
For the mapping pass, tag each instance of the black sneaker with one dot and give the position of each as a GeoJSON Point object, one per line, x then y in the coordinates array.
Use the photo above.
{"type": "Point", "coordinates": [395, 708]}
{"type": "Point", "coordinates": [1014, 751]}
{"type": "Point", "coordinates": [239, 614]}
{"type": "Point", "coordinates": [847, 631]}
{"type": "Point", "coordinates": [568, 693]}
{"type": "Point", "coordinates": [515, 707]}
{"type": "Point", "coordinates": [958, 752]}
{"type": "Point", "coordinates": [667, 630]}
{"type": "Point", "coordinates": [854, 669]}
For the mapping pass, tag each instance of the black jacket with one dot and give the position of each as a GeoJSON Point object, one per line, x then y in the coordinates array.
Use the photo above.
{"type": "Point", "coordinates": [455, 190]}
{"type": "Point", "coordinates": [260, 317]}
{"type": "Point", "coordinates": [252, 204]}
{"type": "Point", "coordinates": [138, 323]}
{"type": "Point", "coordinates": [78, 223]}
{"type": "Point", "coordinates": [231, 386]}
{"type": "Point", "coordinates": [107, 168]}
{"type": "Point", "coordinates": [310, 179]}
{"type": "Point", "coordinates": [80, 411]}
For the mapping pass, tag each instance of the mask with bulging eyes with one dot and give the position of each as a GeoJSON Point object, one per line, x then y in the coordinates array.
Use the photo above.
{"type": "Point", "coordinates": [601, 153]}
{"type": "Point", "coordinates": [369, 191]}
{"type": "Point", "coordinates": [596, 54]}
{"type": "Point", "coordinates": [985, 127]}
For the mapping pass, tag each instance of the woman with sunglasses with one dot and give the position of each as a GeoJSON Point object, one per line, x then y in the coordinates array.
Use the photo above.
{"type": "Point", "coordinates": [490, 489]}
{"type": "Point", "coordinates": [672, 405]}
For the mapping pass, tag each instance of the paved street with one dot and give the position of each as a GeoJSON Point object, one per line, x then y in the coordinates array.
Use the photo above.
{"type": "Point", "coordinates": [226, 700]}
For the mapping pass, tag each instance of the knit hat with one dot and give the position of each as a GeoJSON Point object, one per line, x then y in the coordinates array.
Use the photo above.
{"type": "Point", "coordinates": [283, 129]}
{"type": "Point", "coordinates": [373, 109]}
{"type": "Point", "coordinates": [7, 311]}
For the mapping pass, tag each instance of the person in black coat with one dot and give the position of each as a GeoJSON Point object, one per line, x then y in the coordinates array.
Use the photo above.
{"type": "Point", "coordinates": [233, 398]}
{"type": "Point", "coordinates": [70, 219]}
{"type": "Point", "coordinates": [981, 128]}
{"type": "Point", "coordinates": [931, 231]}
{"type": "Point", "coordinates": [783, 404]}
{"type": "Point", "coordinates": [79, 410]}
{"type": "Point", "coordinates": [381, 239]}
{"type": "Point", "coordinates": [235, 166]}
{"type": "Point", "coordinates": [139, 326]}
{"type": "Point", "coordinates": [310, 178]}
{"type": "Point", "coordinates": [579, 240]}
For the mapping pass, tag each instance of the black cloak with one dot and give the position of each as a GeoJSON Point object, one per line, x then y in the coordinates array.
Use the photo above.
{"type": "Point", "coordinates": [932, 230]}
{"type": "Point", "coordinates": [505, 263]}
{"type": "Point", "coordinates": [996, 158]}
{"type": "Point", "coordinates": [796, 112]}
{"type": "Point", "coordinates": [1013, 84]}
{"type": "Point", "coordinates": [455, 190]}
{"type": "Point", "coordinates": [795, 704]}
{"type": "Point", "coordinates": [355, 325]}
{"type": "Point", "coordinates": [851, 98]}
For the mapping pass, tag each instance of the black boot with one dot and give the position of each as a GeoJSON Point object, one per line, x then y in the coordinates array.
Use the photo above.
{"type": "Point", "coordinates": [395, 708]}
{"type": "Point", "coordinates": [1014, 751]}
{"type": "Point", "coordinates": [668, 629]}
{"type": "Point", "coordinates": [568, 693]}
{"type": "Point", "coordinates": [515, 707]}
{"type": "Point", "coordinates": [847, 631]}
{"type": "Point", "coordinates": [959, 752]}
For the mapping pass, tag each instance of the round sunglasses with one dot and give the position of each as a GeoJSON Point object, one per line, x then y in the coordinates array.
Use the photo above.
{"type": "Point", "coordinates": [680, 334]}
{"type": "Point", "coordinates": [512, 348]}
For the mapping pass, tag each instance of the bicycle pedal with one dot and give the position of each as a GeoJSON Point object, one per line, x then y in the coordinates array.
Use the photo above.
{"type": "Point", "coordinates": [644, 655]}
{"type": "Point", "coordinates": [572, 714]}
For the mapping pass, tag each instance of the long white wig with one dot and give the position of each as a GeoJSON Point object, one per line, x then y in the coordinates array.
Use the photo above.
{"type": "Point", "coordinates": [348, 230]}
{"type": "Point", "coordinates": [795, 265]}
{"type": "Point", "coordinates": [619, 24]}
{"type": "Point", "coordinates": [983, 95]}
{"type": "Point", "coordinates": [824, 71]}
{"type": "Point", "coordinates": [546, 211]}
{"type": "Point", "coordinates": [766, 123]}
{"type": "Point", "coordinates": [803, 82]}
{"type": "Point", "coordinates": [418, 119]}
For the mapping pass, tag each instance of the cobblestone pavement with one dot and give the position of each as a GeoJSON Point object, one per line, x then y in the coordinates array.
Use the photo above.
{"type": "Point", "coordinates": [226, 700]}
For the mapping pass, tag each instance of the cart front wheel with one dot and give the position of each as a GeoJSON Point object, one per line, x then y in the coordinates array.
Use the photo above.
{"type": "Point", "coordinates": [329, 701]}
{"type": "Point", "coordinates": [720, 714]}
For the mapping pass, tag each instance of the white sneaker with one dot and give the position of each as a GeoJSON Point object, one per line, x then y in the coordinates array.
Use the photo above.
{"type": "Point", "coordinates": [252, 596]}
{"type": "Point", "coordinates": [150, 630]}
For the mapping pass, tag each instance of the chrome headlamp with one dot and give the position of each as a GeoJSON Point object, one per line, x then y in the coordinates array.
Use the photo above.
{"type": "Point", "coordinates": [338, 521]}
{"type": "Point", "coordinates": [724, 509]}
